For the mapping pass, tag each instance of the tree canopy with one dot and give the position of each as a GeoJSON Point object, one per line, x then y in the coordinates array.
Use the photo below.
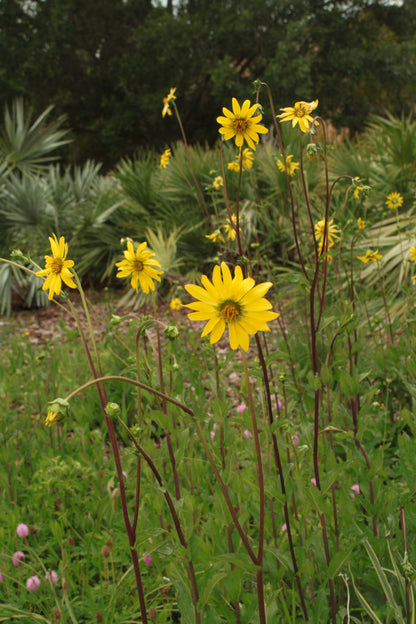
{"type": "Point", "coordinates": [108, 65]}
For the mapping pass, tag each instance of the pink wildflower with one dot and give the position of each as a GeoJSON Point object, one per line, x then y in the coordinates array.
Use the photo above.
{"type": "Point", "coordinates": [295, 439]}
{"type": "Point", "coordinates": [313, 481]}
{"type": "Point", "coordinates": [241, 408]}
{"type": "Point", "coordinates": [147, 559]}
{"type": "Point", "coordinates": [52, 577]}
{"type": "Point", "coordinates": [1, 578]}
{"type": "Point", "coordinates": [22, 530]}
{"type": "Point", "coordinates": [18, 558]}
{"type": "Point", "coordinates": [355, 488]}
{"type": "Point", "coordinates": [248, 433]}
{"type": "Point", "coordinates": [32, 583]}
{"type": "Point", "coordinates": [283, 527]}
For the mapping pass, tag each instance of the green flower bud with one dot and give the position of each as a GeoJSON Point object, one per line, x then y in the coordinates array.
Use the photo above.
{"type": "Point", "coordinates": [112, 409]}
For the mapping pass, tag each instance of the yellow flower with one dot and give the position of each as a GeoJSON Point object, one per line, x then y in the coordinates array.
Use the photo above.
{"type": "Point", "coordinates": [241, 124]}
{"type": "Point", "coordinates": [218, 183]}
{"type": "Point", "coordinates": [166, 101]}
{"type": "Point", "coordinates": [246, 161]}
{"type": "Point", "coordinates": [57, 268]}
{"type": "Point", "coordinates": [52, 418]}
{"type": "Point", "coordinates": [236, 302]}
{"type": "Point", "coordinates": [360, 223]}
{"type": "Point", "coordinates": [394, 200]}
{"type": "Point", "coordinates": [215, 237]}
{"type": "Point", "coordinates": [331, 234]}
{"type": "Point", "coordinates": [300, 113]}
{"type": "Point", "coordinates": [290, 167]}
{"type": "Point", "coordinates": [370, 256]}
{"type": "Point", "coordinates": [412, 254]}
{"type": "Point", "coordinates": [175, 304]}
{"type": "Point", "coordinates": [234, 166]}
{"type": "Point", "coordinates": [230, 230]}
{"type": "Point", "coordinates": [139, 264]}
{"type": "Point", "coordinates": [165, 158]}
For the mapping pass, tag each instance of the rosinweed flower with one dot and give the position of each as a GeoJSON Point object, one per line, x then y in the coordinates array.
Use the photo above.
{"type": "Point", "coordinates": [167, 100]}
{"type": "Point", "coordinates": [290, 166]}
{"type": "Point", "coordinates": [300, 114]}
{"type": "Point", "coordinates": [140, 265]}
{"type": "Point", "coordinates": [57, 268]}
{"type": "Point", "coordinates": [412, 254]}
{"type": "Point", "coordinates": [231, 228]}
{"type": "Point", "coordinates": [241, 124]}
{"type": "Point", "coordinates": [218, 182]}
{"type": "Point", "coordinates": [370, 256]}
{"type": "Point", "coordinates": [57, 410]}
{"type": "Point", "coordinates": [215, 237]}
{"type": "Point", "coordinates": [394, 200]}
{"type": "Point", "coordinates": [245, 157]}
{"type": "Point", "coordinates": [175, 304]}
{"type": "Point", "coordinates": [360, 223]}
{"type": "Point", "coordinates": [330, 237]}
{"type": "Point", "coordinates": [236, 302]}
{"type": "Point", "coordinates": [165, 158]}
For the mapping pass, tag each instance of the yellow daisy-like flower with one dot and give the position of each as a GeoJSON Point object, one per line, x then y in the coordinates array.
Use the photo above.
{"type": "Point", "coordinates": [360, 223]}
{"type": "Point", "coordinates": [140, 265]}
{"type": "Point", "coordinates": [246, 161]}
{"type": "Point", "coordinates": [236, 302]}
{"type": "Point", "coordinates": [394, 200]}
{"type": "Point", "coordinates": [57, 268]}
{"type": "Point", "coordinates": [290, 167]}
{"type": "Point", "coordinates": [234, 166]}
{"type": "Point", "coordinates": [230, 230]}
{"type": "Point", "coordinates": [241, 124]}
{"type": "Point", "coordinates": [175, 304]}
{"type": "Point", "coordinates": [299, 114]}
{"type": "Point", "coordinates": [215, 237]}
{"type": "Point", "coordinates": [165, 158]}
{"type": "Point", "coordinates": [412, 254]}
{"type": "Point", "coordinates": [370, 256]}
{"type": "Point", "coordinates": [166, 101]}
{"type": "Point", "coordinates": [217, 183]}
{"type": "Point", "coordinates": [52, 418]}
{"type": "Point", "coordinates": [331, 234]}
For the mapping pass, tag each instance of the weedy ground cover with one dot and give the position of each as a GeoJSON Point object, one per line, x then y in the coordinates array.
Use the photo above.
{"type": "Point", "coordinates": [260, 472]}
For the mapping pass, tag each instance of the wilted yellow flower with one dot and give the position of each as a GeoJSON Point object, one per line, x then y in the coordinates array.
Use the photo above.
{"type": "Point", "coordinates": [217, 183]}
{"type": "Point", "coordinates": [360, 223]}
{"type": "Point", "coordinates": [57, 268]}
{"type": "Point", "coordinates": [139, 264]}
{"type": "Point", "coordinates": [412, 254]}
{"type": "Point", "coordinates": [241, 124]}
{"type": "Point", "coordinates": [52, 418]}
{"type": "Point", "coordinates": [230, 230]}
{"type": "Point", "coordinates": [370, 256]}
{"type": "Point", "coordinates": [235, 302]}
{"type": "Point", "coordinates": [394, 200]}
{"type": "Point", "coordinates": [175, 304]}
{"type": "Point", "coordinates": [290, 167]}
{"type": "Point", "coordinates": [215, 237]}
{"type": "Point", "coordinates": [166, 101]}
{"type": "Point", "coordinates": [299, 114]}
{"type": "Point", "coordinates": [165, 158]}
{"type": "Point", "coordinates": [331, 234]}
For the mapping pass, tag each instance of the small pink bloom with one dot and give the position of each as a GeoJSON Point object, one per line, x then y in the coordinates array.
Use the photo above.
{"type": "Point", "coordinates": [32, 583]}
{"type": "Point", "coordinates": [52, 577]}
{"type": "Point", "coordinates": [147, 559]}
{"type": "Point", "coordinates": [212, 434]}
{"type": "Point", "coordinates": [241, 408]}
{"type": "Point", "coordinates": [313, 481]}
{"type": "Point", "coordinates": [248, 433]}
{"type": "Point", "coordinates": [295, 439]}
{"type": "Point", "coordinates": [18, 558]}
{"type": "Point", "coordinates": [278, 405]}
{"type": "Point", "coordinates": [22, 530]}
{"type": "Point", "coordinates": [1, 578]}
{"type": "Point", "coordinates": [283, 527]}
{"type": "Point", "coordinates": [355, 488]}
{"type": "Point", "coordinates": [124, 474]}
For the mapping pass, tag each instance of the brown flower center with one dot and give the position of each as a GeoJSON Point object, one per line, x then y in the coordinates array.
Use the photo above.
{"type": "Point", "coordinates": [230, 311]}
{"type": "Point", "coordinates": [138, 266]}
{"type": "Point", "coordinates": [56, 265]}
{"type": "Point", "coordinates": [240, 125]}
{"type": "Point", "coordinates": [300, 112]}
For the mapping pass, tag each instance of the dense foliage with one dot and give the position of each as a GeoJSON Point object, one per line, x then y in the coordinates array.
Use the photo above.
{"type": "Point", "coordinates": [107, 65]}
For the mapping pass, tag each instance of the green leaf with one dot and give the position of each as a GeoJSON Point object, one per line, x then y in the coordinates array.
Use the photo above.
{"type": "Point", "coordinates": [208, 588]}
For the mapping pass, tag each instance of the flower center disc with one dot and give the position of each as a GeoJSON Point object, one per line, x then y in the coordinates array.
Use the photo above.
{"type": "Point", "coordinates": [138, 266]}
{"type": "Point", "coordinates": [300, 112]}
{"type": "Point", "coordinates": [56, 265]}
{"type": "Point", "coordinates": [229, 312]}
{"type": "Point", "coordinates": [240, 125]}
